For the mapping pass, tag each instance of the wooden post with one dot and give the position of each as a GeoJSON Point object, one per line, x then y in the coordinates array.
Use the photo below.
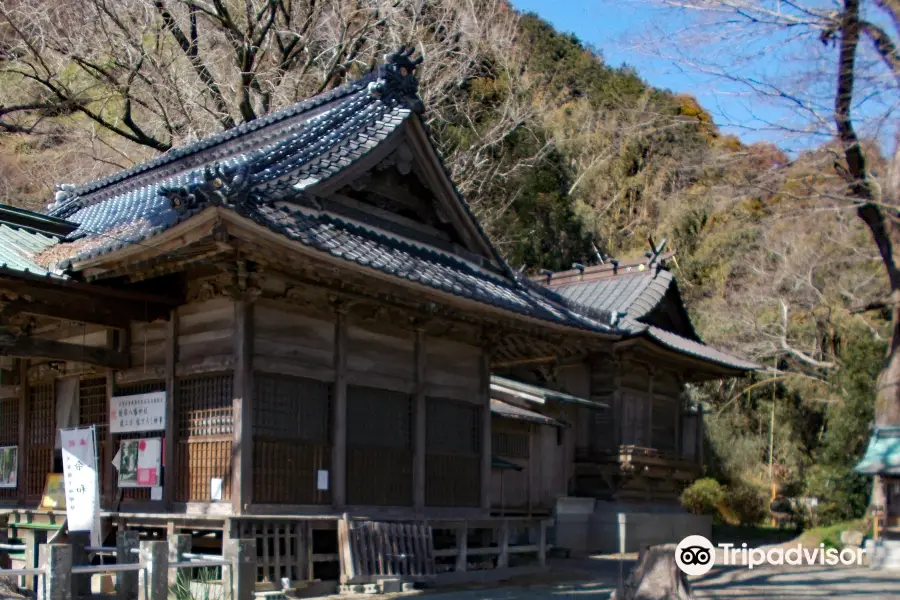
{"type": "Point", "coordinates": [33, 540]}
{"type": "Point", "coordinates": [700, 457]}
{"type": "Point", "coordinates": [542, 542]}
{"type": "Point", "coordinates": [486, 431]}
{"type": "Point", "coordinates": [79, 541]}
{"type": "Point", "coordinates": [650, 411]}
{"type": "Point", "coordinates": [109, 473]}
{"type": "Point", "coordinates": [179, 543]}
{"type": "Point", "coordinates": [419, 441]}
{"type": "Point", "coordinates": [22, 479]}
{"type": "Point", "coordinates": [533, 432]}
{"type": "Point", "coordinates": [169, 471]}
{"type": "Point", "coordinates": [339, 416]}
{"type": "Point", "coordinates": [242, 554]}
{"type": "Point", "coordinates": [462, 546]}
{"type": "Point", "coordinates": [503, 557]}
{"type": "Point", "coordinates": [126, 581]}
{"type": "Point", "coordinates": [57, 560]}
{"type": "Point", "coordinates": [618, 410]}
{"type": "Point", "coordinates": [153, 578]}
{"type": "Point", "coordinates": [242, 448]}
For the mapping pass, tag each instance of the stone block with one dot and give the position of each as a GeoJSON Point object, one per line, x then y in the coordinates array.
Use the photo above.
{"type": "Point", "coordinates": [852, 539]}
{"type": "Point", "coordinates": [370, 588]}
{"type": "Point", "coordinates": [390, 586]}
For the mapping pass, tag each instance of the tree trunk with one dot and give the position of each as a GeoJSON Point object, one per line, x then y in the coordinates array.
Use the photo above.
{"type": "Point", "coordinates": [887, 400]}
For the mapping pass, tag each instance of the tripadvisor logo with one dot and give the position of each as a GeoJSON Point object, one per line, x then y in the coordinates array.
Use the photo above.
{"type": "Point", "coordinates": [695, 555]}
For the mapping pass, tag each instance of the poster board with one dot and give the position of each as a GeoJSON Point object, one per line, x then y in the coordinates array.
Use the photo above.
{"type": "Point", "coordinates": [79, 449]}
{"type": "Point", "coordinates": [137, 412]}
{"type": "Point", "coordinates": [54, 492]}
{"type": "Point", "coordinates": [9, 466]}
{"type": "Point", "coordinates": [139, 462]}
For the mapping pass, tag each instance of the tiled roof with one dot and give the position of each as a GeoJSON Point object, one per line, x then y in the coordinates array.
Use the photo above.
{"type": "Point", "coordinates": [882, 456]}
{"type": "Point", "coordinates": [313, 150]}
{"type": "Point", "coordinates": [681, 344]}
{"type": "Point", "coordinates": [18, 247]}
{"type": "Point", "coordinates": [357, 243]}
{"type": "Point", "coordinates": [635, 294]}
{"type": "Point", "coordinates": [631, 295]}
{"type": "Point", "coordinates": [517, 413]}
{"type": "Point", "coordinates": [536, 393]}
{"type": "Point", "coordinates": [251, 167]}
{"type": "Point", "coordinates": [259, 132]}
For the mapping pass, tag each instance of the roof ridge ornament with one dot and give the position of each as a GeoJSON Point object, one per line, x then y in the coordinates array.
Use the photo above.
{"type": "Point", "coordinates": [397, 79]}
{"type": "Point", "coordinates": [219, 185]}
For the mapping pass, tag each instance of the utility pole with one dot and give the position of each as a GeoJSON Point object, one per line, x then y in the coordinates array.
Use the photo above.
{"type": "Point", "coordinates": [772, 441]}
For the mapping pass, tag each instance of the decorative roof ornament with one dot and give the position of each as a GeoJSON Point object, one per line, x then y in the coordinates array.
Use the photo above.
{"type": "Point", "coordinates": [397, 79]}
{"type": "Point", "coordinates": [64, 192]}
{"type": "Point", "coordinates": [219, 186]}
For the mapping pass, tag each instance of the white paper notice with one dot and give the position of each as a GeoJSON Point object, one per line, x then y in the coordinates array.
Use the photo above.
{"type": "Point", "coordinates": [79, 451]}
{"type": "Point", "coordinates": [156, 493]}
{"type": "Point", "coordinates": [215, 489]}
{"type": "Point", "coordinates": [140, 412]}
{"type": "Point", "coordinates": [322, 480]}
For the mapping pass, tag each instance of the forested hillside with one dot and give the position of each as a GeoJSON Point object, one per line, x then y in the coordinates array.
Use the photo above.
{"type": "Point", "coordinates": [557, 152]}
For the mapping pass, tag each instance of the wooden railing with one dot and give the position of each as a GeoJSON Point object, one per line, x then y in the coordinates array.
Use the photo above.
{"type": "Point", "coordinates": [629, 453]}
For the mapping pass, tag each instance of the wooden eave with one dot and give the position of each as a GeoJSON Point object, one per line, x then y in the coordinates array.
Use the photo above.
{"type": "Point", "coordinates": [247, 230]}
{"type": "Point", "coordinates": [693, 368]}
{"type": "Point", "coordinates": [70, 300]}
{"type": "Point", "coordinates": [159, 248]}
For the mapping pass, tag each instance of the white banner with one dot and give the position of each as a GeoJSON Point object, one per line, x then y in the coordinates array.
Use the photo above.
{"type": "Point", "coordinates": [79, 452]}
{"type": "Point", "coordinates": [140, 412]}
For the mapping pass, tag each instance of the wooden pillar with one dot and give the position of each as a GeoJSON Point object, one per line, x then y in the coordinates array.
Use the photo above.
{"type": "Point", "coordinates": [700, 435]}
{"type": "Point", "coordinates": [169, 471]}
{"type": "Point", "coordinates": [650, 411]}
{"type": "Point", "coordinates": [109, 472]}
{"type": "Point", "coordinates": [486, 431]}
{"type": "Point", "coordinates": [533, 432]}
{"type": "Point", "coordinates": [462, 547]}
{"type": "Point", "coordinates": [618, 408]}
{"type": "Point", "coordinates": [339, 416]}
{"type": "Point", "coordinates": [153, 578]}
{"type": "Point", "coordinates": [242, 448]}
{"type": "Point", "coordinates": [57, 560]}
{"type": "Point", "coordinates": [419, 441]}
{"type": "Point", "coordinates": [21, 478]}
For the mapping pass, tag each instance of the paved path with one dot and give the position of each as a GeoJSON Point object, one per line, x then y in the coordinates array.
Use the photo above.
{"type": "Point", "coordinates": [596, 579]}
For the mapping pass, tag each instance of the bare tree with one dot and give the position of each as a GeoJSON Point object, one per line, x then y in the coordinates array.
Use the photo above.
{"type": "Point", "coordinates": [838, 80]}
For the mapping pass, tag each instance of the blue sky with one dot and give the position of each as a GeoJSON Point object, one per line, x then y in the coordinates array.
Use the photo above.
{"type": "Point", "coordinates": [617, 29]}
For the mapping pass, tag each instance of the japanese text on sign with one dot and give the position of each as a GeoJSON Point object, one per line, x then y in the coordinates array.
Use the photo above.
{"type": "Point", "coordinates": [79, 452]}
{"type": "Point", "coordinates": [140, 412]}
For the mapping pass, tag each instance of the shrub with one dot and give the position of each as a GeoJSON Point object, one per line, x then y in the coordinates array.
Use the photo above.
{"type": "Point", "coordinates": [703, 497]}
{"type": "Point", "coordinates": [747, 503]}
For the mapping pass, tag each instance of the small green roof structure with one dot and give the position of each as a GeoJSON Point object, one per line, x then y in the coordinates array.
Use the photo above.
{"type": "Point", "coordinates": [883, 454]}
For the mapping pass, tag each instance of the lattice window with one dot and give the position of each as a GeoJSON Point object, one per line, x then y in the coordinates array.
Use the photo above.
{"type": "Point", "coordinates": [40, 431]}
{"type": "Point", "coordinates": [291, 408]}
{"type": "Point", "coordinates": [205, 417]}
{"type": "Point", "coordinates": [379, 418]}
{"type": "Point", "coordinates": [131, 389]}
{"type": "Point", "coordinates": [379, 443]}
{"type": "Point", "coordinates": [205, 406]}
{"type": "Point", "coordinates": [453, 449]}
{"type": "Point", "coordinates": [291, 420]}
{"type": "Point", "coordinates": [510, 445]}
{"type": "Point", "coordinates": [9, 422]}
{"type": "Point", "coordinates": [9, 436]}
{"type": "Point", "coordinates": [452, 427]}
{"type": "Point", "coordinates": [93, 408]}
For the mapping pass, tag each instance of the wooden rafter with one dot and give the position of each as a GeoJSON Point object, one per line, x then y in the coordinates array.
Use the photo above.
{"type": "Point", "coordinates": [29, 347]}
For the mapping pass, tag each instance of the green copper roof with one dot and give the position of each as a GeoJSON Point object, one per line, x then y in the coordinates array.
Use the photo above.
{"type": "Point", "coordinates": [883, 454]}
